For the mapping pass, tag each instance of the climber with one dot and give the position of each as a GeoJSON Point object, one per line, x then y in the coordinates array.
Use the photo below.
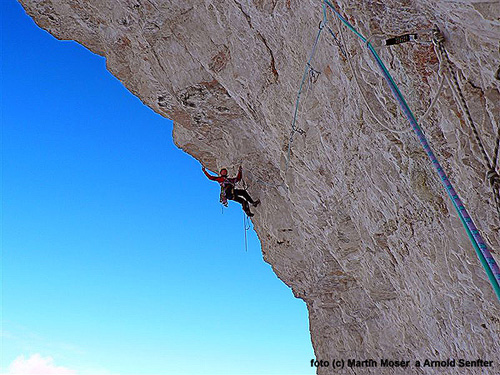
{"type": "Point", "coordinates": [228, 190]}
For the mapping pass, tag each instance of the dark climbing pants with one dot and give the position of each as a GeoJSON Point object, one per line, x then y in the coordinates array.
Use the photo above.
{"type": "Point", "coordinates": [240, 196]}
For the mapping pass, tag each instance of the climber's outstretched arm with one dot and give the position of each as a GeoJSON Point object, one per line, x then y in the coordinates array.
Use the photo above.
{"type": "Point", "coordinates": [213, 178]}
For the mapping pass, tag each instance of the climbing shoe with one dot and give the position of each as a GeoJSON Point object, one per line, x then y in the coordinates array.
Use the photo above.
{"type": "Point", "coordinates": [256, 203]}
{"type": "Point", "coordinates": [246, 208]}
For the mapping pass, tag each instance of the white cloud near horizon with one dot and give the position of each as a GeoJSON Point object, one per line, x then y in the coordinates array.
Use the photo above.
{"type": "Point", "coordinates": [37, 365]}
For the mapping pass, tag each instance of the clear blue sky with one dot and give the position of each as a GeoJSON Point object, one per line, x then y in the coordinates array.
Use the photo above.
{"type": "Point", "coordinates": [110, 265]}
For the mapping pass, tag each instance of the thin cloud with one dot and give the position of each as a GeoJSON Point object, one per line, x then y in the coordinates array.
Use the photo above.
{"type": "Point", "coordinates": [37, 365]}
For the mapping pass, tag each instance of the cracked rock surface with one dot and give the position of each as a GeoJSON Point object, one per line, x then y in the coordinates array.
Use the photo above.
{"type": "Point", "coordinates": [362, 229]}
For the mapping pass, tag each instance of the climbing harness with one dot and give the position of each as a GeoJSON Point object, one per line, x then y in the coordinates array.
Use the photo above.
{"type": "Point", "coordinates": [224, 203]}
{"type": "Point", "coordinates": [489, 264]}
{"type": "Point", "coordinates": [224, 186]}
{"type": "Point", "coordinates": [227, 188]}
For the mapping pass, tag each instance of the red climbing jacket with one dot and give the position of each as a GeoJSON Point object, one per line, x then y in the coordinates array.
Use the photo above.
{"type": "Point", "coordinates": [226, 185]}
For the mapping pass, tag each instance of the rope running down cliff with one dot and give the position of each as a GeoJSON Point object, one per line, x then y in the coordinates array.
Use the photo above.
{"type": "Point", "coordinates": [487, 260]}
{"type": "Point", "coordinates": [342, 46]}
{"type": "Point", "coordinates": [309, 74]}
{"type": "Point", "coordinates": [491, 268]}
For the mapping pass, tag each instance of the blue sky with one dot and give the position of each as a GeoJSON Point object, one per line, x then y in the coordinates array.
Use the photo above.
{"type": "Point", "coordinates": [116, 258]}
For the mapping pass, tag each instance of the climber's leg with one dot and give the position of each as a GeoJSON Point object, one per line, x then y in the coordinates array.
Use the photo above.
{"type": "Point", "coordinates": [243, 202]}
{"type": "Point", "coordinates": [244, 194]}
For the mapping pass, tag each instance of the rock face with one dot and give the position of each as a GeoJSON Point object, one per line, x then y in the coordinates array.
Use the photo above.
{"type": "Point", "coordinates": [362, 229]}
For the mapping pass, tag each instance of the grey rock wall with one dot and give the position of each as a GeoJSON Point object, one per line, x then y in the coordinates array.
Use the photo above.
{"type": "Point", "coordinates": [362, 229]}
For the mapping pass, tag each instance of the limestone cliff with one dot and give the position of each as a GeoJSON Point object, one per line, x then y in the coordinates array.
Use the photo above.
{"type": "Point", "coordinates": [362, 230]}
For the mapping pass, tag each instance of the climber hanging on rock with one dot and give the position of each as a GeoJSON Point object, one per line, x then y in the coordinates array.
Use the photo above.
{"type": "Point", "coordinates": [228, 190]}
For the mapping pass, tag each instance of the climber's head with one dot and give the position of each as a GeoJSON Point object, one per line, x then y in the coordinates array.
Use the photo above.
{"type": "Point", "coordinates": [223, 172]}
